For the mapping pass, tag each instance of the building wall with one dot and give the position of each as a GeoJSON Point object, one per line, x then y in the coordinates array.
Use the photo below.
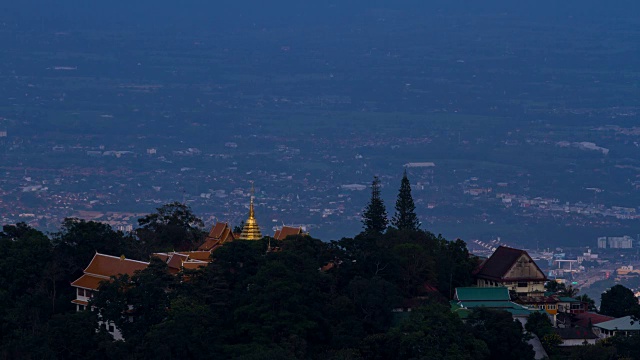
{"type": "Point", "coordinates": [577, 342]}
{"type": "Point", "coordinates": [519, 287]}
{"type": "Point", "coordinates": [524, 268]}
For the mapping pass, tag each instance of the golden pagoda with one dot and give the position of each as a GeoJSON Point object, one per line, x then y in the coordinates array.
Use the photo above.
{"type": "Point", "coordinates": [251, 230]}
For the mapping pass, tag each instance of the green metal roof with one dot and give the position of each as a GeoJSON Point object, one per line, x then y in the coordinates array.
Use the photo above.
{"type": "Point", "coordinates": [463, 308]}
{"type": "Point", "coordinates": [482, 294]}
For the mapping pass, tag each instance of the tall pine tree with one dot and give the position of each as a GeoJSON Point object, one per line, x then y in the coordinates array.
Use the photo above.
{"type": "Point", "coordinates": [374, 218]}
{"type": "Point", "coordinates": [405, 217]}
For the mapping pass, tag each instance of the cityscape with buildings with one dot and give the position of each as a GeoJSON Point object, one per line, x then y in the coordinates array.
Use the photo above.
{"type": "Point", "coordinates": [326, 180]}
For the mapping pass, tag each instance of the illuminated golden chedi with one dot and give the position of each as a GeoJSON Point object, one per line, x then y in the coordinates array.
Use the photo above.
{"type": "Point", "coordinates": [251, 230]}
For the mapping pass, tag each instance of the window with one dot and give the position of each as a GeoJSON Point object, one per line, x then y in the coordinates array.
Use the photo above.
{"type": "Point", "coordinates": [81, 307]}
{"type": "Point", "coordinates": [80, 292]}
{"type": "Point", "coordinates": [522, 284]}
{"type": "Point", "coordinates": [551, 307]}
{"type": "Point", "coordinates": [111, 328]}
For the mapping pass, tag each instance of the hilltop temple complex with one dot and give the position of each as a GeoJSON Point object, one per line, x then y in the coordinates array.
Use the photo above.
{"type": "Point", "coordinates": [104, 267]}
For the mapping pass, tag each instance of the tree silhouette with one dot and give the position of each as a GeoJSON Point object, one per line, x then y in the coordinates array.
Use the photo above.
{"type": "Point", "coordinates": [405, 217]}
{"type": "Point", "coordinates": [374, 218]}
{"type": "Point", "coordinates": [618, 301]}
{"type": "Point", "coordinates": [173, 227]}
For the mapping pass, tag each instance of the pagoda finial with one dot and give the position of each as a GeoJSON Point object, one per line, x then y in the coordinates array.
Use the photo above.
{"type": "Point", "coordinates": [251, 211]}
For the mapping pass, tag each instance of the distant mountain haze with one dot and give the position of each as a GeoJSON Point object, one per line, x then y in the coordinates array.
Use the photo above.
{"type": "Point", "coordinates": [193, 14]}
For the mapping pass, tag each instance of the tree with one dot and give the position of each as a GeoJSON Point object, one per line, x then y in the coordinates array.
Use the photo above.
{"type": "Point", "coordinates": [568, 291]}
{"type": "Point", "coordinates": [374, 218]}
{"type": "Point", "coordinates": [591, 304]}
{"type": "Point", "coordinates": [553, 286]}
{"type": "Point", "coordinates": [454, 264]}
{"type": "Point", "coordinates": [238, 228]}
{"type": "Point", "coordinates": [502, 334]}
{"type": "Point", "coordinates": [78, 241]}
{"type": "Point", "coordinates": [172, 227]}
{"type": "Point", "coordinates": [415, 266]}
{"type": "Point", "coordinates": [598, 351]}
{"type": "Point", "coordinates": [430, 332]}
{"type": "Point", "coordinates": [185, 333]}
{"type": "Point", "coordinates": [75, 336]}
{"type": "Point", "coordinates": [25, 295]}
{"type": "Point", "coordinates": [374, 299]}
{"type": "Point", "coordinates": [405, 217]}
{"type": "Point", "coordinates": [144, 297]}
{"type": "Point", "coordinates": [618, 302]}
{"type": "Point", "coordinates": [539, 324]}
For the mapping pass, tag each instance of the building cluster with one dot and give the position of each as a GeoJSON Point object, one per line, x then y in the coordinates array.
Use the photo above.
{"type": "Point", "coordinates": [615, 242]}
{"type": "Point", "coordinates": [510, 280]}
{"type": "Point", "coordinates": [104, 267]}
{"type": "Point", "coordinates": [553, 205]}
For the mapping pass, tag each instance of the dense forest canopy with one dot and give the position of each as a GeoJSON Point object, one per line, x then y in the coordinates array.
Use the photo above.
{"type": "Point", "coordinates": [307, 299]}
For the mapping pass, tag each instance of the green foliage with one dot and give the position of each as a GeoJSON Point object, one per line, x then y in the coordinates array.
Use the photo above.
{"type": "Point", "coordinates": [146, 296]}
{"type": "Point", "coordinates": [599, 351]}
{"type": "Point", "coordinates": [238, 228]}
{"type": "Point", "coordinates": [415, 338]}
{"type": "Point", "coordinates": [79, 240]}
{"type": "Point", "coordinates": [502, 334]}
{"type": "Point", "coordinates": [405, 217]}
{"type": "Point", "coordinates": [618, 301]}
{"type": "Point", "coordinates": [185, 333]}
{"type": "Point", "coordinates": [27, 296]}
{"type": "Point", "coordinates": [173, 227]}
{"type": "Point", "coordinates": [568, 291]}
{"type": "Point", "coordinates": [539, 324]}
{"type": "Point", "coordinates": [454, 265]}
{"type": "Point", "coordinates": [247, 303]}
{"type": "Point", "coordinates": [627, 347]}
{"type": "Point", "coordinates": [374, 217]}
{"type": "Point", "coordinates": [551, 342]}
{"type": "Point", "coordinates": [591, 304]}
{"type": "Point", "coordinates": [74, 336]}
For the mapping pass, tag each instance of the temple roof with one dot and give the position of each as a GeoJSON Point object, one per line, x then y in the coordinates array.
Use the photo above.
{"type": "Point", "coordinates": [176, 261]}
{"type": "Point", "coordinates": [87, 281]}
{"type": "Point", "coordinates": [198, 255]}
{"type": "Point", "coordinates": [220, 233]}
{"type": "Point", "coordinates": [285, 231]}
{"type": "Point", "coordinates": [107, 265]}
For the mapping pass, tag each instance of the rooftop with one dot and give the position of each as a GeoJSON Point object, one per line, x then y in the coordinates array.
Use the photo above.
{"type": "Point", "coordinates": [624, 324]}
{"type": "Point", "coordinates": [482, 294]}
{"type": "Point", "coordinates": [108, 266]}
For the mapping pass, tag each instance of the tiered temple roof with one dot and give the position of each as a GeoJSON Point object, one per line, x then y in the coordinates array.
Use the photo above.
{"type": "Point", "coordinates": [220, 233]}
{"type": "Point", "coordinates": [101, 268]}
{"type": "Point", "coordinates": [177, 261]}
{"type": "Point", "coordinates": [286, 231]}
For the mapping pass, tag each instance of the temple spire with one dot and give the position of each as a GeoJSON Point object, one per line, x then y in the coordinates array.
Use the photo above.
{"type": "Point", "coordinates": [251, 230]}
{"type": "Point", "coordinates": [252, 213]}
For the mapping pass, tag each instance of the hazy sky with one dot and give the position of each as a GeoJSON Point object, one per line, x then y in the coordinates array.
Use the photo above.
{"type": "Point", "coordinates": [197, 13]}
